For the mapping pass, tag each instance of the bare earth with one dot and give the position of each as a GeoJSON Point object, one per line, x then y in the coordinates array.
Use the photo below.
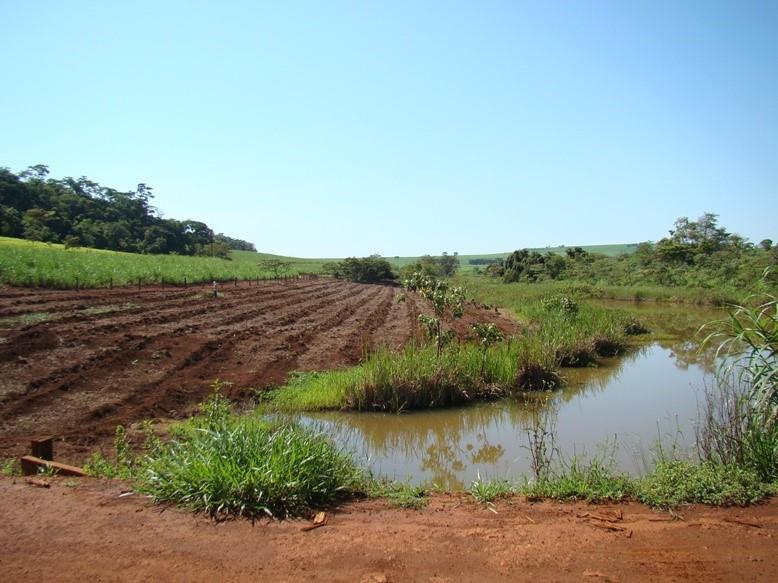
{"type": "Point", "coordinates": [84, 530]}
{"type": "Point", "coordinates": [75, 365]}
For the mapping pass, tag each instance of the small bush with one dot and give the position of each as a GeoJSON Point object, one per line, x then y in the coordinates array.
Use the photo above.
{"type": "Point", "coordinates": [673, 483]}
{"type": "Point", "coordinates": [560, 303]}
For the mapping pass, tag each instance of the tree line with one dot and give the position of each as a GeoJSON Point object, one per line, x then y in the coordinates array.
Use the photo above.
{"type": "Point", "coordinates": [697, 253]}
{"type": "Point", "coordinates": [80, 212]}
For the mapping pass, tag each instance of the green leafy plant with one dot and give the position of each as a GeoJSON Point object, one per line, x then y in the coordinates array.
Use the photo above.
{"type": "Point", "coordinates": [443, 297]}
{"type": "Point", "coordinates": [756, 329]}
{"type": "Point", "coordinates": [488, 334]}
{"type": "Point", "coordinates": [677, 482]}
{"type": "Point", "coordinates": [739, 424]}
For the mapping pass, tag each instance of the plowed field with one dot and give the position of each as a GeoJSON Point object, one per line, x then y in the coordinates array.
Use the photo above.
{"type": "Point", "coordinates": [76, 364]}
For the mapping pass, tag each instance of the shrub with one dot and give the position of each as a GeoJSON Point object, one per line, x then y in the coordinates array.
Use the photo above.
{"type": "Point", "coordinates": [373, 269]}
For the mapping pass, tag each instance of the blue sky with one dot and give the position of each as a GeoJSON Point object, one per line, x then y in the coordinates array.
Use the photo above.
{"type": "Point", "coordinates": [334, 129]}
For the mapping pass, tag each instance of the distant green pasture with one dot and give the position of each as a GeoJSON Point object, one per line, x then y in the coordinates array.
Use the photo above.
{"type": "Point", "coordinates": [30, 263]}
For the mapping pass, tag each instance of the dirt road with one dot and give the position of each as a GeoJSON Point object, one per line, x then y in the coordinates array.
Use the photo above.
{"type": "Point", "coordinates": [88, 531]}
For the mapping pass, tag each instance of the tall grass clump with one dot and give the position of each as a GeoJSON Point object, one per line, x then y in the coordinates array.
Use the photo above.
{"type": "Point", "coordinates": [417, 377]}
{"type": "Point", "coordinates": [221, 464]}
{"type": "Point", "coordinates": [578, 333]}
{"type": "Point", "coordinates": [739, 423]}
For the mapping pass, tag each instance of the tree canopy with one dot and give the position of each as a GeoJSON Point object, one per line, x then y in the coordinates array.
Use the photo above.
{"type": "Point", "coordinates": [697, 253]}
{"type": "Point", "coordinates": [80, 212]}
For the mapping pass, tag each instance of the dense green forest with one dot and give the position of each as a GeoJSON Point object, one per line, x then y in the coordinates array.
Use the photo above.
{"type": "Point", "coordinates": [697, 253]}
{"type": "Point", "coordinates": [80, 212]}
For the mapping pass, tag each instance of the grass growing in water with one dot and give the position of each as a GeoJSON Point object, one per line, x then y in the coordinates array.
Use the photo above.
{"type": "Point", "coordinates": [421, 376]}
{"type": "Point", "coordinates": [417, 378]}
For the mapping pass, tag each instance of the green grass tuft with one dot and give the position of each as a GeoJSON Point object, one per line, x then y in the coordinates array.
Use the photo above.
{"type": "Point", "coordinates": [487, 491]}
{"type": "Point", "coordinates": [227, 465]}
{"type": "Point", "coordinates": [400, 494]}
{"type": "Point", "coordinates": [417, 378]}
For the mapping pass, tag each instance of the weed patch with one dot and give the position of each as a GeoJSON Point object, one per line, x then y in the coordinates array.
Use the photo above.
{"type": "Point", "coordinates": [673, 483]}
{"type": "Point", "coordinates": [400, 494]}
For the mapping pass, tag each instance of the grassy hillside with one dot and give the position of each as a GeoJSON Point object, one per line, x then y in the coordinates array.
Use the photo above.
{"type": "Point", "coordinates": [30, 263]}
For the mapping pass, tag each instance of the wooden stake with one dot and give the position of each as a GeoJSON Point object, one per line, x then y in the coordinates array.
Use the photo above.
{"type": "Point", "coordinates": [43, 448]}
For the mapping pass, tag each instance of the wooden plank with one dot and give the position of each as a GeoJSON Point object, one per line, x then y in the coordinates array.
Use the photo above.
{"type": "Point", "coordinates": [32, 465]}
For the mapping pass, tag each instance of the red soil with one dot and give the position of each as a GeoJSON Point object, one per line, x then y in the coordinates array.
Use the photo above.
{"type": "Point", "coordinates": [100, 358]}
{"type": "Point", "coordinates": [85, 530]}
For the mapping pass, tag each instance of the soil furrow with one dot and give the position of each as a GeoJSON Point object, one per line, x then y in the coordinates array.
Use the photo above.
{"type": "Point", "coordinates": [49, 335]}
{"type": "Point", "coordinates": [341, 344]}
{"type": "Point", "coordinates": [87, 370]}
{"type": "Point", "coordinates": [170, 396]}
{"type": "Point", "coordinates": [131, 349]}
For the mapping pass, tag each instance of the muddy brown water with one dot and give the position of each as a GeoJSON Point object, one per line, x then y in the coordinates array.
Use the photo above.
{"type": "Point", "coordinates": [619, 410]}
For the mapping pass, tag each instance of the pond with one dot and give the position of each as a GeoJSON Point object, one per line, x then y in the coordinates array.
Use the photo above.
{"type": "Point", "coordinates": [624, 407]}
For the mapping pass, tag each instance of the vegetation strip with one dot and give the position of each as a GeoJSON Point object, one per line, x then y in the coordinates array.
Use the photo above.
{"type": "Point", "coordinates": [444, 373]}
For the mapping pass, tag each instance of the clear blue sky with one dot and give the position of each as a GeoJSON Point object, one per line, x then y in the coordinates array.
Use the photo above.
{"type": "Point", "coordinates": [333, 129]}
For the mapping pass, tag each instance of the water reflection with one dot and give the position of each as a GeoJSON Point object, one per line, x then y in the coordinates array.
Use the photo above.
{"type": "Point", "coordinates": [634, 398]}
